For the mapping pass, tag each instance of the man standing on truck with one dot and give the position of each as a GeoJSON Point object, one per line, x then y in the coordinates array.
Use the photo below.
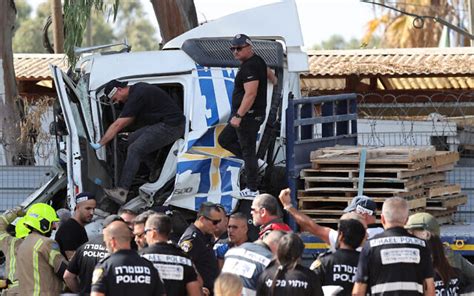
{"type": "Point", "coordinates": [249, 101]}
{"type": "Point", "coordinates": [163, 123]}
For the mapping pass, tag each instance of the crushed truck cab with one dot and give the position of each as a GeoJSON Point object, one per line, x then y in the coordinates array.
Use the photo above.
{"type": "Point", "coordinates": [197, 70]}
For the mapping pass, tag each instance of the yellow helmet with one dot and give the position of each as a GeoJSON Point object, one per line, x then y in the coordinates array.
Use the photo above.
{"type": "Point", "coordinates": [41, 216]}
{"type": "Point", "coordinates": [21, 230]}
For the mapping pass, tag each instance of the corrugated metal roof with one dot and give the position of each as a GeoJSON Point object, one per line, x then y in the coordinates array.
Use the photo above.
{"type": "Point", "coordinates": [406, 61]}
{"type": "Point", "coordinates": [36, 66]}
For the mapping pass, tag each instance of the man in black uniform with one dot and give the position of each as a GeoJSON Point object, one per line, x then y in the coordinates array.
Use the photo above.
{"type": "Point", "coordinates": [285, 275]}
{"type": "Point", "coordinates": [338, 269]}
{"type": "Point", "coordinates": [249, 101]}
{"type": "Point", "coordinates": [124, 272]}
{"type": "Point", "coordinates": [197, 242]}
{"type": "Point", "coordinates": [175, 268]}
{"type": "Point", "coordinates": [78, 275]}
{"type": "Point", "coordinates": [72, 234]}
{"type": "Point", "coordinates": [150, 106]}
{"type": "Point", "coordinates": [394, 262]}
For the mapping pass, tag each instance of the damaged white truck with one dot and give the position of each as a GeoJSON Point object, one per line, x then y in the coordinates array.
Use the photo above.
{"type": "Point", "coordinates": [197, 69]}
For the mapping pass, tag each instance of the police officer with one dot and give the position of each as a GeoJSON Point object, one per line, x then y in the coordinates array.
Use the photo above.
{"type": "Point", "coordinates": [197, 241]}
{"type": "Point", "coordinates": [175, 268]}
{"type": "Point", "coordinates": [124, 272]}
{"type": "Point", "coordinates": [9, 246]}
{"type": "Point", "coordinates": [40, 264]}
{"type": "Point", "coordinates": [394, 262]}
{"type": "Point", "coordinates": [78, 275]}
{"type": "Point", "coordinates": [449, 280]}
{"type": "Point", "coordinates": [286, 276]}
{"type": "Point", "coordinates": [338, 269]}
{"type": "Point", "coordinates": [249, 260]}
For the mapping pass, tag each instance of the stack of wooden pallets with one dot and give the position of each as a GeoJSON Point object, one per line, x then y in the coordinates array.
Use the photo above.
{"type": "Point", "coordinates": [417, 174]}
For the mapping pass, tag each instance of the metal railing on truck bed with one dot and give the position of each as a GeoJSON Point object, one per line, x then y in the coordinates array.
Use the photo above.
{"type": "Point", "coordinates": [313, 123]}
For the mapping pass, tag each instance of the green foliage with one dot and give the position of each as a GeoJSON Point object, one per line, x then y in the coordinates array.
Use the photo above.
{"type": "Point", "coordinates": [23, 11]}
{"type": "Point", "coordinates": [28, 37]}
{"type": "Point", "coordinates": [76, 17]}
{"type": "Point", "coordinates": [133, 24]}
{"type": "Point", "coordinates": [102, 32]}
{"type": "Point", "coordinates": [339, 43]}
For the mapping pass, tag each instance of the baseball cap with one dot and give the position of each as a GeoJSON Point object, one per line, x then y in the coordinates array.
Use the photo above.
{"type": "Point", "coordinates": [241, 40]}
{"type": "Point", "coordinates": [84, 196]}
{"type": "Point", "coordinates": [111, 87]}
{"type": "Point", "coordinates": [423, 221]}
{"type": "Point", "coordinates": [363, 205]}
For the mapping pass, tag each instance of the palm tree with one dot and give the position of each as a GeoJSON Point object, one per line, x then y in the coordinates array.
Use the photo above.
{"type": "Point", "coordinates": [401, 30]}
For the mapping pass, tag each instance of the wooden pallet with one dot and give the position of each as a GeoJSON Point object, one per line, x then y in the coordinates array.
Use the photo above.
{"type": "Point", "coordinates": [446, 202]}
{"type": "Point", "coordinates": [302, 194]}
{"type": "Point", "coordinates": [442, 190]}
{"type": "Point", "coordinates": [395, 154]}
{"type": "Point", "coordinates": [339, 204]}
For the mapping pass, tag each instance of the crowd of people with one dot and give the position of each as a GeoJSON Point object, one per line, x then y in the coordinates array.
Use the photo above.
{"type": "Point", "coordinates": [142, 254]}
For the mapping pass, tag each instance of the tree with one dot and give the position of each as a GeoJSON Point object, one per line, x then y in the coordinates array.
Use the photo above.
{"type": "Point", "coordinates": [174, 17]}
{"type": "Point", "coordinates": [400, 30]}
{"type": "Point", "coordinates": [133, 25]}
{"type": "Point", "coordinates": [339, 43]}
{"type": "Point", "coordinates": [9, 113]}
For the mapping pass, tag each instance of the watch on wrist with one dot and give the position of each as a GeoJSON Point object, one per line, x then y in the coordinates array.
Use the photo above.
{"type": "Point", "coordinates": [237, 115]}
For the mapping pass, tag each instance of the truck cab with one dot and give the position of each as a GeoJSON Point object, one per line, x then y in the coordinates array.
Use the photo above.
{"type": "Point", "coordinates": [197, 69]}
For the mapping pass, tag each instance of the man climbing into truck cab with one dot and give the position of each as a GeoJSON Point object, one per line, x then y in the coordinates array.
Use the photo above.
{"type": "Point", "coordinates": [249, 101]}
{"type": "Point", "coordinates": [162, 120]}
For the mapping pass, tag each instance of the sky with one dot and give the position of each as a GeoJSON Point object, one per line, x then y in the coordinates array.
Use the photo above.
{"type": "Point", "coordinates": [319, 18]}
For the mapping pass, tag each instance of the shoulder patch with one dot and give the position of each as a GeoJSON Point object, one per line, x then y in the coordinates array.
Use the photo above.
{"type": "Point", "coordinates": [186, 246]}
{"type": "Point", "coordinates": [315, 264]}
{"type": "Point", "coordinates": [97, 275]}
{"type": "Point", "coordinates": [55, 246]}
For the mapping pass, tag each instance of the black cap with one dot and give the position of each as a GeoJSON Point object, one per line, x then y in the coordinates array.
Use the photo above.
{"type": "Point", "coordinates": [111, 87]}
{"type": "Point", "coordinates": [84, 196]}
{"type": "Point", "coordinates": [241, 40]}
{"type": "Point", "coordinates": [363, 205]}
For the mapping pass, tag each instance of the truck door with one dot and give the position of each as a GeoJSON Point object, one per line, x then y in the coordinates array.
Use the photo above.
{"type": "Point", "coordinates": [83, 171]}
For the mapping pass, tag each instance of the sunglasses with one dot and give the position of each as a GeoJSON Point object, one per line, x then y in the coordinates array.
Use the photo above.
{"type": "Point", "coordinates": [147, 230]}
{"type": "Point", "coordinates": [140, 235]}
{"type": "Point", "coordinates": [238, 48]}
{"type": "Point", "coordinates": [214, 222]}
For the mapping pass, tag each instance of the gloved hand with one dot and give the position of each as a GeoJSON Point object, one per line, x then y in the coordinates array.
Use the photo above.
{"type": "Point", "coordinates": [96, 146]}
{"type": "Point", "coordinates": [13, 213]}
{"type": "Point", "coordinates": [20, 211]}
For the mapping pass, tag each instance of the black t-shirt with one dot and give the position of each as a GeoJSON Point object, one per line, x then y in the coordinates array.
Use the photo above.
{"type": "Point", "coordinates": [70, 236]}
{"type": "Point", "coordinates": [149, 104]}
{"type": "Point", "coordinates": [174, 266]}
{"type": "Point", "coordinates": [394, 262]}
{"type": "Point", "coordinates": [198, 247]}
{"type": "Point", "coordinates": [299, 281]}
{"type": "Point", "coordinates": [126, 273]}
{"type": "Point", "coordinates": [453, 288]}
{"type": "Point", "coordinates": [252, 69]}
{"type": "Point", "coordinates": [84, 261]}
{"type": "Point", "coordinates": [337, 269]}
